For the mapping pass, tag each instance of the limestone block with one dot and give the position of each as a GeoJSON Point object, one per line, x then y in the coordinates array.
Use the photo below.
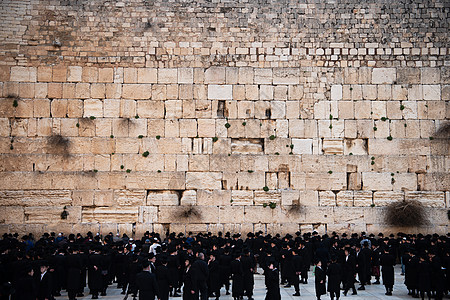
{"type": "Point", "coordinates": [290, 197]}
{"type": "Point", "coordinates": [173, 109]}
{"type": "Point", "coordinates": [44, 74]}
{"type": "Point", "coordinates": [198, 163]}
{"type": "Point", "coordinates": [266, 92]}
{"type": "Point", "coordinates": [427, 198]}
{"type": "Point", "coordinates": [326, 181]}
{"type": "Point", "coordinates": [346, 109]}
{"type": "Point", "coordinates": [54, 90]}
{"type": "Point", "coordinates": [148, 214]}
{"type": "Point", "coordinates": [242, 197]}
{"type": "Point", "coordinates": [171, 128]}
{"type": "Point", "coordinates": [144, 75]}
{"type": "Point", "coordinates": [109, 214]}
{"type": "Point", "coordinates": [344, 198]}
{"type": "Point", "coordinates": [40, 90]}
{"type": "Point", "coordinates": [188, 128]}
{"type": "Point", "coordinates": [83, 198]}
{"type": "Point", "coordinates": [302, 146]}
{"type": "Point", "coordinates": [295, 92]}
{"type": "Point", "coordinates": [186, 92]}
{"type": "Point", "coordinates": [221, 163]}
{"type": "Point", "coordinates": [438, 109]}
{"type": "Point", "coordinates": [98, 90]}
{"type": "Point", "coordinates": [260, 214]}
{"type": "Point", "coordinates": [214, 197]}
{"type": "Point", "coordinates": [189, 197]}
{"type": "Point", "coordinates": [215, 75]}
{"type": "Point", "coordinates": [35, 197]}
{"type": "Point", "coordinates": [399, 92]}
{"type": "Point", "coordinates": [410, 110]}
{"type": "Point", "coordinates": [262, 197]}
{"type": "Point", "coordinates": [167, 75]}
{"type": "Point", "coordinates": [353, 215]}
{"type": "Point", "coordinates": [245, 75]}
{"type": "Point", "coordinates": [336, 92]}
{"type": "Point", "coordinates": [408, 75]}
{"type": "Point", "coordinates": [23, 74]}
{"type": "Point", "coordinates": [251, 181]}
{"type": "Point", "coordinates": [90, 74]}
{"type": "Point", "coordinates": [430, 75]}
{"type": "Point", "coordinates": [231, 75]}
{"type": "Point", "coordinates": [12, 215]}
{"type": "Point", "coordinates": [206, 128]}
{"type": "Point", "coordinates": [159, 92]}
{"type": "Point", "coordinates": [327, 198]}
{"type": "Point", "coordinates": [383, 198]}
{"type": "Point", "coordinates": [318, 215]}
{"type": "Point", "coordinates": [159, 198]}
{"type": "Point", "coordinates": [322, 110]}
{"type": "Point", "coordinates": [105, 75]}
{"type": "Point", "coordinates": [278, 109]}
{"type": "Point", "coordinates": [362, 198]}
{"type": "Point", "coordinates": [130, 197]}
{"type": "Point", "coordinates": [82, 90]}
{"type": "Point", "coordinates": [383, 75]}
{"type": "Point", "coordinates": [251, 92]}
{"type": "Point", "coordinates": [355, 146]}
{"type": "Point", "coordinates": [376, 181]}
{"type": "Point", "coordinates": [292, 110]}
{"type": "Point", "coordinates": [130, 75]}
{"type": "Point", "coordinates": [136, 91]}
{"type": "Point", "coordinates": [378, 109]}
{"type": "Point", "coordinates": [74, 73]}
{"type": "Point", "coordinates": [203, 180]}
{"type": "Point", "coordinates": [156, 181]}
{"type": "Point", "coordinates": [369, 92]}
{"type": "Point", "coordinates": [262, 76]}
{"type": "Point", "coordinates": [104, 198]}
{"type": "Point", "coordinates": [150, 109]}
{"type": "Point", "coordinates": [332, 146]}
{"type": "Point", "coordinates": [220, 92]}
{"type": "Point", "coordinates": [231, 214]}
{"type": "Point", "coordinates": [286, 76]}
{"type": "Point", "coordinates": [113, 90]}
{"type": "Point", "coordinates": [415, 92]}
{"type": "Point", "coordinates": [93, 107]}
{"type": "Point", "coordinates": [431, 92]}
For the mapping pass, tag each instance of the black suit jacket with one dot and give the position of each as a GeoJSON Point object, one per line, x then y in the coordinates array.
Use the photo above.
{"type": "Point", "coordinates": [146, 283]}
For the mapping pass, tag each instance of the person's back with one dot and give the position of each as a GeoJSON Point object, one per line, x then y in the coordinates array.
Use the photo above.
{"type": "Point", "coordinates": [146, 283]}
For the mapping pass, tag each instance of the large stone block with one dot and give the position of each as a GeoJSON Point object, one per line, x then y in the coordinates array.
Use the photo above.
{"type": "Point", "coordinates": [220, 92]}
{"type": "Point", "coordinates": [383, 75]}
{"type": "Point", "coordinates": [156, 181]}
{"type": "Point", "coordinates": [204, 180]}
{"type": "Point", "coordinates": [12, 214]}
{"type": "Point", "coordinates": [286, 76]}
{"type": "Point", "coordinates": [35, 197]}
{"type": "Point", "coordinates": [110, 215]}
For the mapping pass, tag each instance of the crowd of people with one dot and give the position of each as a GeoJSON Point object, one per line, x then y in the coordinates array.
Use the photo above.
{"type": "Point", "coordinates": [199, 266]}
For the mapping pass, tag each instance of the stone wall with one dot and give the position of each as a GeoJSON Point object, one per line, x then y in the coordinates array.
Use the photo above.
{"type": "Point", "coordinates": [222, 115]}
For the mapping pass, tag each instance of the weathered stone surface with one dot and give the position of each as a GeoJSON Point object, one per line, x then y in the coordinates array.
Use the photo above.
{"type": "Point", "coordinates": [112, 215]}
{"type": "Point", "coordinates": [36, 197]}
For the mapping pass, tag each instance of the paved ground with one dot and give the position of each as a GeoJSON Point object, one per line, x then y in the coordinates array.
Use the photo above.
{"type": "Point", "coordinates": [306, 290]}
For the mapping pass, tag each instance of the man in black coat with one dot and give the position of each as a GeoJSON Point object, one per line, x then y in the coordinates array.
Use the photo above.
{"type": "Point", "coordinates": [334, 273]}
{"type": "Point", "coordinates": [237, 275]}
{"type": "Point", "coordinates": [297, 263]}
{"type": "Point", "coordinates": [319, 280]}
{"type": "Point", "coordinates": [73, 264]}
{"type": "Point", "coordinates": [201, 272]}
{"type": "Point", "coordinates": [146, 283]}
{"type": "Point", "coordinates": [349, 271]}
{"type": "Point", "coordinates": [44, 287]}
{"type": "Point", "coordinates": [163, 279]}
{"type": "Point", "coordinates": [95, 273]}
{"type": "Point", "coordinates": [272, 282]}
{"type": "Point", "coordinates": [249, 267]}
{"type": "Point", "coordinates": [387, 262]}
{"type": "Point", "coordinates": [214, 283]}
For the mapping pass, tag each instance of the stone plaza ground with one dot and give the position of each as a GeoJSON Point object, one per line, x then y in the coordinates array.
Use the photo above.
{"type": "Point", "coordinates": [307, 291]}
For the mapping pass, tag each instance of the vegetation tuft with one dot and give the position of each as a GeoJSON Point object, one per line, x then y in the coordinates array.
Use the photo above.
{"type": "Point", "coordinates": [406, 214]}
